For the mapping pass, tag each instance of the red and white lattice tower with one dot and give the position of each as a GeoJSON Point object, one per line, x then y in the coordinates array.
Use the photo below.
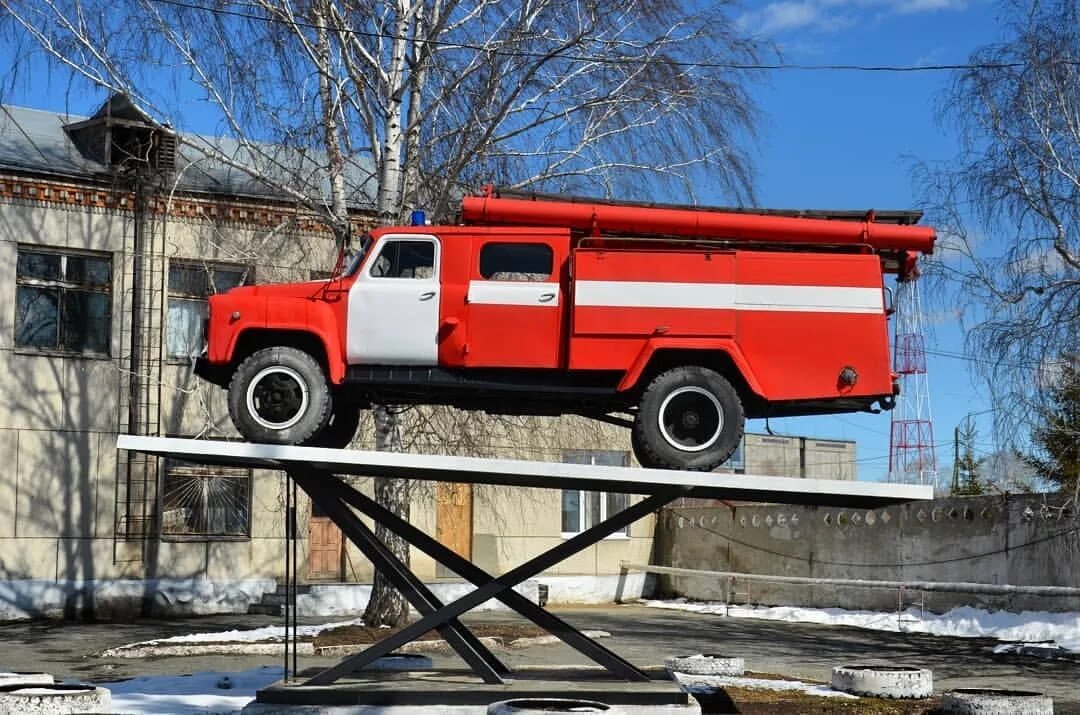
{"type": "Point", "coordinates": [911, 439]}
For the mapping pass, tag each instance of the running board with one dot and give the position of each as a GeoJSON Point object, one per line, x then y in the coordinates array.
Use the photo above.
{"type": "Point", "coordinates": [586, 384]}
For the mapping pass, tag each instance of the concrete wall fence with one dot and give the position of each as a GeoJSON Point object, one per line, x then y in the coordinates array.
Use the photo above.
{"type": "Point", "coordinates": [1025, 540]}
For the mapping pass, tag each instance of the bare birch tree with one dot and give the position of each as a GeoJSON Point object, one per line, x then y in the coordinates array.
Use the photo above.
{"type": "Point", "coordinates": [408, 103]}
{"type": "Point", "coordinates": [1009, 204]}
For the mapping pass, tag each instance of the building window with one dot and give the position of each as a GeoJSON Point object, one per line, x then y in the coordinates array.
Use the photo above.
{"type": "Point", "coordinates": [516, 261]}
{"type": "Point", "coordinates": [63, 301]}
{"type": "Point", "coordinates": [582, 509]}
{"type": "Point", "coordinates": [190, 284]}
{"type": "Point", "coordinates": [205, 501]}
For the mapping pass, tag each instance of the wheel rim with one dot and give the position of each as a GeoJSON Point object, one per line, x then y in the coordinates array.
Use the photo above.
{"type": "Point", "coordinates": [277, 397]}
{"type": "Point", "coordinates": [691, 419]}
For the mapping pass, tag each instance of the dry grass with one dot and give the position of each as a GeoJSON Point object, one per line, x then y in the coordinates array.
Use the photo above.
{"type": "Point", "coordinates": [363, 635]}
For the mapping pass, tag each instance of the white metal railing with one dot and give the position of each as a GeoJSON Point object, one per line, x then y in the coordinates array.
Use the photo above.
{"type": "Point", "coordinates": [996, 589]}
{"type": "Point", "coordinates": [902, 587]}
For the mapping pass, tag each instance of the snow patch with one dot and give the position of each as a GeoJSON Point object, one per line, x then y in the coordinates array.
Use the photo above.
{"type": "Point", "coordinates": [351, 598]}
{"type": "Point", "coordinates": [598, 589]}
{"type": "Point", "coordinates": [267, 634]}
{"type": "Point", "coordinates": [195, 693]}
{"type": "Point", "coordinates": [22, 599]}
{"type": "Point", "coordinates": [1060, 629]}
{"type": "Point", "coordinates": [708, 683]}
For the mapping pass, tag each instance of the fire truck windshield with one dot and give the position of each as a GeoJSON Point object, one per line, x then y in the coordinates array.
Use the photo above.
{"type": "Point", "coordinates": [353, 262]}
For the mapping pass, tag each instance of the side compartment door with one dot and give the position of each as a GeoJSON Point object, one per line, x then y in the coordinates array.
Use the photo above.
{"type": "Point", "coordinates": [516, 302]}
{"type": "Point", "coordinates": [394, 304]}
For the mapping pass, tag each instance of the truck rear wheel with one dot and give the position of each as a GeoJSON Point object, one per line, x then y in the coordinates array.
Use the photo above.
{"type": "Point", "coordinates": [689, 417]}
{"type": "Point", "coordinates": [279, 395]}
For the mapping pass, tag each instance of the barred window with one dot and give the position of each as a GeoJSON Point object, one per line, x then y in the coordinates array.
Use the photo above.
{"type": "Point", "coordinates": [63, 301]}
{"type": "Point", "coordinates": [205, 501]}
{"type": "Point", "coordinates": [190, 284]}
{"type": "Point", "coordinates": [582, 509]}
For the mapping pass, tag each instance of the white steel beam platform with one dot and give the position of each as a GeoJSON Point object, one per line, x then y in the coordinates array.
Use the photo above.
{"type": "Point", "coordinates": [552, 475]}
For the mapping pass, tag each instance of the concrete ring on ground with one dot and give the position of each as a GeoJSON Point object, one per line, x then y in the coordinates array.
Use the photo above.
{"type": "Point", "coordinates": [705, 664]}
{"type": "Point", "coordinates": [993, 701]}
{"type": "Point", "coordinates": [26, 679]}
{"type": "Point", "coordinates": [548, 706]}
{"type": "Point", "coordinates": [53, 698]}
{"type": "Point", "coordinates": [401, 661]}
{"type": "Point", "coordinates": [883, 681]}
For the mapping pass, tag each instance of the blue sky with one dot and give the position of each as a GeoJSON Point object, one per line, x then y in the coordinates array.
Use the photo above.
{"type": "Point", "coordinates": [827, 139]}
{"type": "Point", "coordinates": [841, 139]}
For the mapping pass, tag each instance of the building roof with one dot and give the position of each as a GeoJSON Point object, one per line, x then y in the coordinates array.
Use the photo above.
{"type": "Point", "coordinates": [40, 142]}
{"type": "Point", "coordinates": [34, 140]}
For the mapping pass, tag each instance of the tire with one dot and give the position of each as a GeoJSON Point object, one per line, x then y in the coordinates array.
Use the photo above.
{"type": "Point", "coordinates": [26, 678]}
{"type": "Point", "coordinates": [339, 430]}
{"type": "Point", "coordinates": [989, 701]}
{"type": "Point", "coordinates": [56, 698]}
{"type": "Point", "coordinates": [548, 706]}
{"type": "Point", "coordinates": [689, 417]}
{"type": "Point", "coordinates": [883, 681]}
{"type": "Point", "coordinates": [279, 395]}
{"type": "Point", "coordinates": [705, 664]}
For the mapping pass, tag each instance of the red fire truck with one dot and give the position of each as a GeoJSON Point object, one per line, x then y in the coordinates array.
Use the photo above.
{"type": "Point", "coordinates": [674, 321]}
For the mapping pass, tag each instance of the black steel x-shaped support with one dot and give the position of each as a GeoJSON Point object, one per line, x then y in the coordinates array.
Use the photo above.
{"type": "Point", "coordinates": [327, 491]}
{"type": "Point", "coordinates": [335, 497]}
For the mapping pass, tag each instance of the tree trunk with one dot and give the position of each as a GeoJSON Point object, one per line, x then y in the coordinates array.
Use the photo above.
{"type": "Point", "coordinates": [387, 607]}
{"type": "Point", "coordinates": [331, 131]}
{"type": "Point", "coordinates": [390, 177]}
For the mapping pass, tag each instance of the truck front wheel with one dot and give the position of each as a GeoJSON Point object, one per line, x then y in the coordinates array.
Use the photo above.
{"type": "Point", "coordinates": [689, 417]}
{"type": "Point", "coordinates": [279, 395]}
{"type": "Point", "coordinates": [339, 430]}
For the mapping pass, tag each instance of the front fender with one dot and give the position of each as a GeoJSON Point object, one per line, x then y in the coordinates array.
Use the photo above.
{"type": "Point", "coordinates": [232, 321]}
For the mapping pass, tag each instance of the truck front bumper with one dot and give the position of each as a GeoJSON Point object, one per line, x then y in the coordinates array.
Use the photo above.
{"type": "Point", "coordinates": [217, 374]}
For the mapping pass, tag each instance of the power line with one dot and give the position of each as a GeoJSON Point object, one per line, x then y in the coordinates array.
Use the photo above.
{"type": "Point", "coordinates": [990, 361]}
{"type": "Point", "coordinates": [856, 425]}
{"type": "Point", "coordinates": [740, 66]}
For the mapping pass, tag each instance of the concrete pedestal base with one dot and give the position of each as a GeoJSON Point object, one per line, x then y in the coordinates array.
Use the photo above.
{"type": "Point", "coordinates": [460, 691]}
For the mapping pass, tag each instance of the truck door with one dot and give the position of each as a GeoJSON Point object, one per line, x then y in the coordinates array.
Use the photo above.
{"type": "Point", "coordinates": [516, 302]}
{"type": "Point", "coordinates": [394, 304]}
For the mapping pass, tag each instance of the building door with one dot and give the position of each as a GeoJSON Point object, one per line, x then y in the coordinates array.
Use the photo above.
{"type": "Point", "coordinates": [453, 520]}
{"type": "Point", "coordinates": [324, 547]}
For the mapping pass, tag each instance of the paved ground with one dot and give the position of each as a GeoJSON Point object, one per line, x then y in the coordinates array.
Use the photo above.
{"type": "Point", "coordinates": [642, 635]}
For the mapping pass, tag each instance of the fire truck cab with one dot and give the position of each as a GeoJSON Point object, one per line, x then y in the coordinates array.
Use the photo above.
{"type": "Point", "coordinates": [677, 322]}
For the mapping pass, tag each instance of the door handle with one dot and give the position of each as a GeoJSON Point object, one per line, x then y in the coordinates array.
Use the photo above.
{"type": "Point", "coordinates": [547, 297]}
{"type": "Point", "coordinates": [427, 296]}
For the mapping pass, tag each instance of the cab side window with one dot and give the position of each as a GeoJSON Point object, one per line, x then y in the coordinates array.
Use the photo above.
{"type": "Point", "coordinates": [516, 261]}
{"type": "Point", "coordinates": [405, 259]}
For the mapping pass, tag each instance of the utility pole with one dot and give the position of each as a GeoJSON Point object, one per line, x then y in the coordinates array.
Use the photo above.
{"type": "Point", "coordinates": [955, 487]}
{"type": "Point", "coordinates": [965, 467]}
